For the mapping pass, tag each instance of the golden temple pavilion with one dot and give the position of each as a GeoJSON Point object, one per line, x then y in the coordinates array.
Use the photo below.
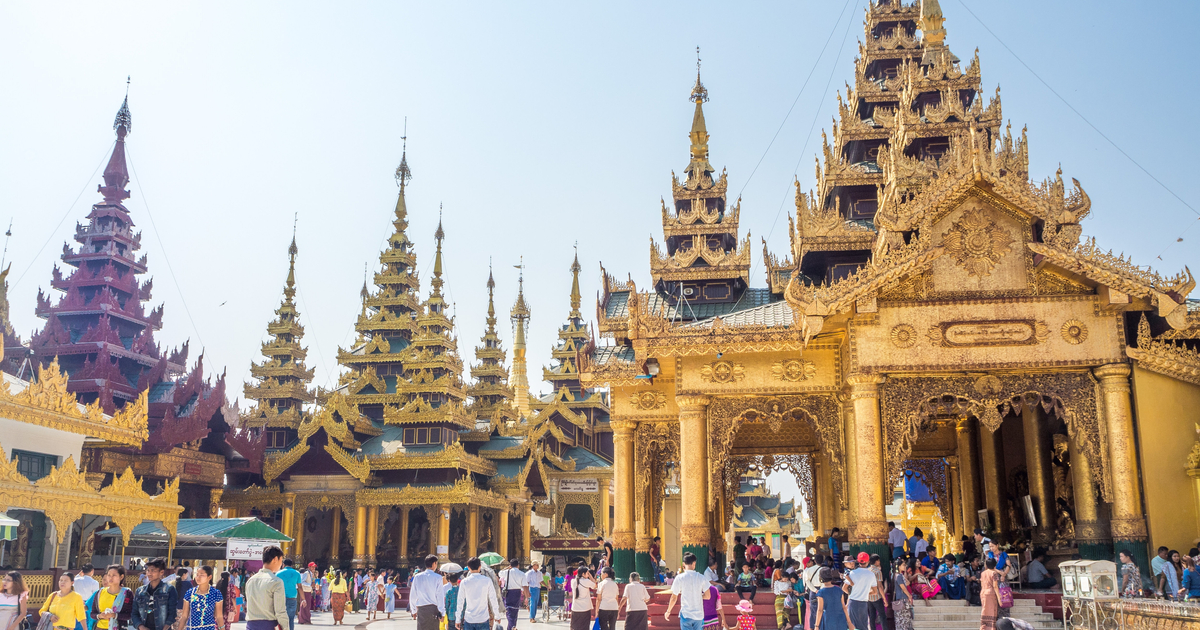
{"type": "Point", "coordinates": [404, 458]}
{"type": "Point", "coordinates": [939, 308]}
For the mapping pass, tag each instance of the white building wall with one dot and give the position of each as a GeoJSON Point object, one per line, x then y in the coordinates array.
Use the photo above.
{"type": "Point", "coordinates": [29, 437]}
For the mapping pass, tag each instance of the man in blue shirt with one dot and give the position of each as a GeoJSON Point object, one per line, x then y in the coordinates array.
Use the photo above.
{"type": "Point", "coordinates": [291, 582]}
{"type": "Point", "coordinates": [835, 549]}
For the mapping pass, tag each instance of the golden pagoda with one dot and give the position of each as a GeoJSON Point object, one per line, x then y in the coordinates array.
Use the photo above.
{"type": "Point", "coordinates": [937, 306]}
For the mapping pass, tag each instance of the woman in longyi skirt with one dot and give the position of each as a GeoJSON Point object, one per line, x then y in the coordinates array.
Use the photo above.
{"type": "Point", "coordinates": [635, 601]}
{"type": "Point", "coordinates": [582, 607]}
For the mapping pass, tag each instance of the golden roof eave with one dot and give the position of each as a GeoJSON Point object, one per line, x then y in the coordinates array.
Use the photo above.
{"type": "Point", "coordinates": [47, 403]}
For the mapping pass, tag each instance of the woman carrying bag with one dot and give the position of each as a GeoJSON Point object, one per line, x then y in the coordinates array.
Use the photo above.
{"type": "Point", "coordinates": [64, 608]}
{"type": "Point", "coordinates": [231, 600]}
{"type": "Point", "coordinates": [112, 605]}
{"type": "Point", "coordinates": [14, 599]}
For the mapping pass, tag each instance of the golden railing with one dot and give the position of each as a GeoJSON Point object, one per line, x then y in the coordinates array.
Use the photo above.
{"type": "Point", "coordinates": [40, 585]}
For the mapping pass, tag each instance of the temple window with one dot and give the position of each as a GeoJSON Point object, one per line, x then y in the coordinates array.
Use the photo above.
{"type": "Point", "coordinates": [32, 465]}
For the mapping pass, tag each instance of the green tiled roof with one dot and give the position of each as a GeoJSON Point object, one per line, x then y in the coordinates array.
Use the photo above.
{"type": "Point", "coordinates": [753, 517]}
{"type": "Point", "coordinates": [391, 442]}
{"type": "Point", "coordinates": [585, 458]}
{"type": "Point", "coordinates": [197, 529]}
{"type": "Point", "coordinates": [618, 305]}
{"type": "Point", "coordinates": [773, 314]}
{"type": "Point", "coordinates": [499, 443]}
{"type": "Point", "coordinates": [510, 467]}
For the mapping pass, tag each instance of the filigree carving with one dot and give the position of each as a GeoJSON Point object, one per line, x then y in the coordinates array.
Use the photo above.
{"type": "Point", "coordinates": [933, 472]}
{"type": "Point", "coordinates": [976, 243]}
{"type": "Point", "coordinates": [656, 449]}
{"type": "Point", "coordinates": [723, 372]}
{"type": "Point", "coordinates": [904, 336]}
{"type": "Point", "coordinates": [799, 464]}
{"type": "Point", "coordinates": [910, 404]}
{"type": "Point", "coordinates": [986, 333]}
{"type": "Point", "coordinates": [794, 370]}
{"type": "Point", "coordinates": [1074, 332]}
{"type": "Point", "coordinates": [648, 400]}
{"type": "Point", "coordinates": [823, 412]}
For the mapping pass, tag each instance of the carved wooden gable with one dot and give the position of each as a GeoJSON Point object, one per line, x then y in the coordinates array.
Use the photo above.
{"type": "Point", "coordinates": [984, 250]}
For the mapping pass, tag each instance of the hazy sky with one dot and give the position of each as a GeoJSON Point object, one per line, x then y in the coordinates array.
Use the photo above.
{"type": "Point", "coordinates": [536, 125]}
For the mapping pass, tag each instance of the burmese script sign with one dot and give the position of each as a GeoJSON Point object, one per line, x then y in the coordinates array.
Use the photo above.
{"type": "Point", "coordinates": [1007, 332]}
{"type": "Point", "coordinates": [246, 548]}
{"type": "Point", "coordinates": [578, 485]}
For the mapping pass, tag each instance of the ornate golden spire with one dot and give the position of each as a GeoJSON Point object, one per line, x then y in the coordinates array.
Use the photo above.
{"type": "Point", "coordinates": [437, 281]}
{"type": "Point", "coordinates": [699, 170]}
{"type": "Point", "coordinates": [403, 176]}
{"type": "Point", "coordinates": [520, 318]}
{"type": "Point", "coordinates": [576, 299]}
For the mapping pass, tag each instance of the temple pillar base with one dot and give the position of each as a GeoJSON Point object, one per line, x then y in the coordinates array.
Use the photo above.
{"type": "Point", "coordinates": [695, 540]}
{"type": "Point", "coordinates": [623, 555]}
{"type": "Point", "coordinates": [644, 566]}
{"type": "Point", "coordinates": [1130, 535]}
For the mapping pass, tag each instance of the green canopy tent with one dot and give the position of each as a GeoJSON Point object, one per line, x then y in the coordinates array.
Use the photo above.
{"type": "Point", "coordinates": [196, 538]}
{"type": "Point", "coordinates": [8, 531]}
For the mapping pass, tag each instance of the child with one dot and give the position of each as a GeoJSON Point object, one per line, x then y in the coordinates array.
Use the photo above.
{"type": "Point", "coordinates": [831, 609]}
{"type": "Point", "coordinates": [745, 620]}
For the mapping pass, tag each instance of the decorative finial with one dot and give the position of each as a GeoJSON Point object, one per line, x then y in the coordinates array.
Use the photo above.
{"type": "Point", "coordinates": [576, 297]}
{"type": "Point", "coordinates": [124, 119]}
{"type": "Point", "coordinates": [699, 93]}
{"type": "Point", "coordinates": [7, 236]}
{"type": "Point", "coordinates": [293, 250]}
{"type": "Point", "coordinates": [364, 293]}
{"type": "Point", "coordinates": [403, 173]}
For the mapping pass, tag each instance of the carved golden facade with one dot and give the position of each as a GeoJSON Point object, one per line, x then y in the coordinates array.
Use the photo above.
{"type": "Point", "coordinates": [937, 305]}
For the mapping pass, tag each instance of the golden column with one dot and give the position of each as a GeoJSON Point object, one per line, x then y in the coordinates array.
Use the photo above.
{"type": "Point", "coordinates": [995, 491]}
{"type": "Point", "coordinates": [433, 513]}
{"type": "Point", "coordinates": [527, 530]}
{"type": "Point", "coordinates": [870, 530]}
{"type": "Point", "coordinates": [289, 523]}
{"type": "Point", "coordinates": [624, 523]}
{"type": "Point", "coordinates": [954, 529]}
{"type": "Point", "coordinates": [1193, 471]}
{"type": "Point", "coordinates": [372, 532]}
{"type": "Point", "coordinates": [298, 517]}
{"type": "Point", "coordinates": [443, 533]}
{"type": "Point", "coordinates": [402, 536]}
{"type": "Point", "coordinates": [335, 537]}
{"type": "Point", "coordinates": [693, 475]}
{"type": "Point", "coordinates": [502, 533]}
{"type": "Point", "coordinates": [603, 522]}
{"type": "Point", "coordinates": [360, 536]}
{"type": "Point", "coordinates": [1128, 523]}
{"type": "Point", "coordinates": [473, 531]}
{"type": "Point", "coordinates": [966, 475]}
{"type": "Point", "coordinates": [850, 515]}
{"type": "Point", "coordinates": [1041, 479]}
{"type": "Point", "coordinates": [1091, 533]}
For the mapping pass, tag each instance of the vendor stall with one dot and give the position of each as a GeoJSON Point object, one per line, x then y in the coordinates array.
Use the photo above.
{"type": "Point", "coordinates": [199, 540]}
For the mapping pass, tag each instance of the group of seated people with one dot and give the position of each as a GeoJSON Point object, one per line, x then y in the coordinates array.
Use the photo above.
{"type": "Point", "coordinates": [960, 579]}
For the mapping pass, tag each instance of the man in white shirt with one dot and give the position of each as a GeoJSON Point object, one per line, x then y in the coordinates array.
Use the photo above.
{"type": "Point", "coordinates": [533, 581]}
{"type": "Point", "coordinates": [861, 585]}
{"type": "Point", "coordinates": [85, 584]}
{"type": "Point", "coordinates": [477, 602]}
{"type": "Point", "coordinates": [424, 596]}
{"type": "Point", "coordinates": [512, 582]}
{"type": "Point", "coordinates": [691, 589]}
{"type": "Point", "coordinates": [896, 540]}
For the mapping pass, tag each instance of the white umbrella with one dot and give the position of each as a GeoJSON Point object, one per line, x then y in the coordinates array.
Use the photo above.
{"type": "Point", "coordinates": [450, 568]}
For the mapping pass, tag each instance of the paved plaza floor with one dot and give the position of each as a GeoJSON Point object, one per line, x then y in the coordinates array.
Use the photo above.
{"type": "Point", "coordinates": [404, 621]}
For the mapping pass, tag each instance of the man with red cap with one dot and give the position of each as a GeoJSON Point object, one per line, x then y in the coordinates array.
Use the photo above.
{"type": "Point", "coordinates": [861, 584]}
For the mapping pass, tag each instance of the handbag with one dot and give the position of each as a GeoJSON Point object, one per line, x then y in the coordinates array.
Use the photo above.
{"type": "Point", "coordinates": [1006, 595]}
{"type": "Point", "coordinates": [44, 622]}
{"type": "Point", "coordinates": [596, 624]}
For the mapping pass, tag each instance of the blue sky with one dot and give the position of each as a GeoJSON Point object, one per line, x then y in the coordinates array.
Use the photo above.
{"type": "Point", "coordinates": [537, 125]}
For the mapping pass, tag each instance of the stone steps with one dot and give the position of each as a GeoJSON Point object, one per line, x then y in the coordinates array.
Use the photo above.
{"type": "Point", "coordinates": [945, 614]}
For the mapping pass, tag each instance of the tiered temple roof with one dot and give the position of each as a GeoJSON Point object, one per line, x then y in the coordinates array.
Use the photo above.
{"type": "Point", "coordinates": [102, 336]}
{"type": "Point", "coordinates": [491, 397]}
{"type": "Point", "coordinates": [758, 511]}
{"type": "Point", "coordinates": [703, 263]}
{"type": "Point", "coordinates": [520, 315]}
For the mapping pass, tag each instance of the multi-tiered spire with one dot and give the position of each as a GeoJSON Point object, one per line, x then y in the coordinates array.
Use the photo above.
{"type": "Point", "coordinates": [520, 319]}
{"type": "Point", "coordinates": [388, 321]}
{"type": "Point", "coordinates": [283, 386]}
{"type": "Point", "coordinates": [911, 104]}
{"type": "Point", "coordinates": [99, 331]}
{"type": "Point", "coordinates": [703, 262]}
{"type": "Point", "coordinates": [492, 398]}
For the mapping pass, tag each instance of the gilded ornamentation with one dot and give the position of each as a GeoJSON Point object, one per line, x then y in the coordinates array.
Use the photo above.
{"type": "Point", "coordinates": [909, 404]}
{"type": "Point", "coordinates": [976, 243]}
{"type": "Point", "coordinates": [723, 372]}
{"type": "Point", "coordinates": [726, 414]}
{"type": "Point", "coordinates": [794, 370]}
{"type": "Point", "coordinates": [799, 465]}
{"type": "Point", "coordinates": [933, 473]}
{"type": "Point", "coordinates": [988, 333]}
{"type": "Point", "coordinates": [904, 336]}
{"type": "Point", "coordinates": [656, 449]}
{"type": "Point", "coordinates": [46, 402]}
{"type": "Point", "coordinates": [1074, 332]}
{"type": "Point", "coordinates": [1163, 356]}
{"type": "Point", "coordinates": [648, 400]}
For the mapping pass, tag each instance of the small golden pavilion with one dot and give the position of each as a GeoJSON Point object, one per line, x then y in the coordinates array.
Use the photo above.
{"type": "Point", "coordinates": [938, 308]}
